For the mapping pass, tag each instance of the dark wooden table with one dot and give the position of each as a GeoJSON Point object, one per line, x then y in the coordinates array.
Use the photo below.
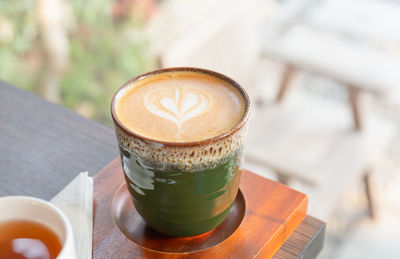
{"type": "Point", "coordinates": [44, 146]}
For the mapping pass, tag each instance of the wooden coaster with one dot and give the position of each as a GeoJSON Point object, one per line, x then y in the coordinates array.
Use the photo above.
{"type": "Point", "coordinates": [131, 224]}
{"type": "Point", "coordinates": [272, 213]}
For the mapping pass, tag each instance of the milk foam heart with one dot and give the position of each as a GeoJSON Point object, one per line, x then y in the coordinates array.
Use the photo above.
{"type": "Point", "coordinates": [180, 107]}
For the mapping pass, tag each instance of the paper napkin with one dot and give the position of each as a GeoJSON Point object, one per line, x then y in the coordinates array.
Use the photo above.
{"type": "Point", "coordinates": [76, 201]}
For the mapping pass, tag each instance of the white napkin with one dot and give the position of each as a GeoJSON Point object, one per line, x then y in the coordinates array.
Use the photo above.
{"type": "Point", "coordinates": [76, 201]}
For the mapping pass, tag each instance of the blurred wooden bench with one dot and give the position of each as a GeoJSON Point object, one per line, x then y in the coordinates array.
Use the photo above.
{"type": "Point", "coordinates": [356, 43]}
{"type": "Point", "coordinates": [311, 140]}
{"type": "Point", "coordinates": [351, 43]}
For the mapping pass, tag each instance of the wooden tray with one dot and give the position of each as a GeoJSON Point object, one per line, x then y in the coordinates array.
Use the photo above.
{"type": "Point", "coordinates": [272, 213]}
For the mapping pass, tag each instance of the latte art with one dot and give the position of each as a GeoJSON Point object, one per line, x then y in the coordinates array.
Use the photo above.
{"type": "Point", "coordinates": [180, 107]}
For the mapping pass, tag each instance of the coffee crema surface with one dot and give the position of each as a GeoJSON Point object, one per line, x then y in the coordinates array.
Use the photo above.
{"type": "Point", "coordinates": [180, 106]}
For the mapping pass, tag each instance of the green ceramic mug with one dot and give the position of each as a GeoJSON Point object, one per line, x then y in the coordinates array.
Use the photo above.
{"type": "Point", "coordinates": [182, 188]}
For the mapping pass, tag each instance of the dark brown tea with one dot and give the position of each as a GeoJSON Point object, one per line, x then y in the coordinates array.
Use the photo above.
{"type": "Point", "coordinates": [23, 239]}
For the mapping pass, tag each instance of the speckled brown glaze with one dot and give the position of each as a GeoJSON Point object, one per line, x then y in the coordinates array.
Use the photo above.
{"type": "Point", "coordinates": [185, 156]}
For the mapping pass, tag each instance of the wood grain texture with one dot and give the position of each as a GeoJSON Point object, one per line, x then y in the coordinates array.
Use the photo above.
{"type": "Point", "coordinates": [43, 146]}
{"type": "Point", "coordinates": [273, 212]}
{"type": "Point", "coordinates": [305, 242]}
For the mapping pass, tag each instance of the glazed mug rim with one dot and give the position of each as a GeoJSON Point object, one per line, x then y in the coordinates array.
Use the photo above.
{"type": "Point", "coordinates": [223, 135]}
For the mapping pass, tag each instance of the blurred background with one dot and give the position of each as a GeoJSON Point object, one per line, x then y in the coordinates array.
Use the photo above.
{"type": "Point", "coordinates": [323, 76]}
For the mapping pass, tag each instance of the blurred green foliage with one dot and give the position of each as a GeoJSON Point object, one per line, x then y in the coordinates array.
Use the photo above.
{"type": "Point", "coordinates": [103, 53]}
{"type": "Point", "coordinates": [18, 36]}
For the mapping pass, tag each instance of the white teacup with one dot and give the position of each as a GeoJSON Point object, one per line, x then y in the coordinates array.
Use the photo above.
{"type": "Point", "coordinates": [43, 212]}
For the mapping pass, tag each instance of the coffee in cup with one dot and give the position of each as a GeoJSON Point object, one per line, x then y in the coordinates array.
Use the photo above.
{"type": "Point", "coordinates": [180, 107]}
{"type": "Point", "coordinates": [181, 134]}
